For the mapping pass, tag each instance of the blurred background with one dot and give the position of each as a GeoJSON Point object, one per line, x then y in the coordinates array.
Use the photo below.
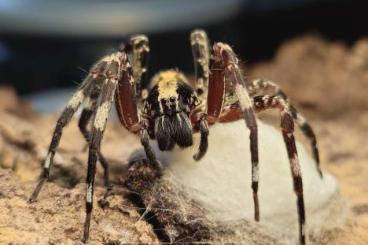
{"type": "Point", "coordinates": [316, 50]}
{"type": "Point", "coordinates": [50, 44]}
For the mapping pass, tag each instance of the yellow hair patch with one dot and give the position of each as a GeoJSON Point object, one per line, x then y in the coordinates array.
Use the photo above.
{"type": "Point", "coordinates": [167, 83]}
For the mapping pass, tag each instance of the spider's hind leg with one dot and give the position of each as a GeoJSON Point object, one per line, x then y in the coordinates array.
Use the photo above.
{"type": "Point", "coordinates": [261, 86]}
{"type": "Point", "coordinates": [262, 103]}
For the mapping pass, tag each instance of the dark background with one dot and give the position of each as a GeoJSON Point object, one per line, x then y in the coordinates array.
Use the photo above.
{"type": "Point", "coordinates": [33, 62]}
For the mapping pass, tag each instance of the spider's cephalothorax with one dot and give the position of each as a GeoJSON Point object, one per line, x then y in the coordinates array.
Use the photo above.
{"type": "Point", "coordinates": [168, 107]}
{"type": "Point", "coordinates": [171, 110]}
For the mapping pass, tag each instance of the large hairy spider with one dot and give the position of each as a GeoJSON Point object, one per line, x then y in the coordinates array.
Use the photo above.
{"type": "Point", "coordinates": [171, 110]}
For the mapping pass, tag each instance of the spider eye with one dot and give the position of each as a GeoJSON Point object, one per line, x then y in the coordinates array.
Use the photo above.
{"type": "Point", "coordinates": [163, 101]}
{"type": "Point", "coordinates": [200, 91]}
{"type": "Point", "coordinates": [172, 99]}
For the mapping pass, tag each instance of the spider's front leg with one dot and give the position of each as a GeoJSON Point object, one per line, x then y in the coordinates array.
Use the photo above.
{"type": "Point", "coordinates": [130, 94]}
{"type": "Point", "coordinates": [115, 73]}
{"type": "Point", "coordinates": [138, 47]}
{"type": "Point", "coordinates": [201, 54]}
{"type": "Point", "coordinates": [118, 86]}
{"type": "Point", "coordinates": [226, 72]}
{"type": "Point", "coordinates": [147, 147]}
{"type": "Point", "coordinates": [84, 121]}
{"type": "Point", "coordinates": [90, 83]}
{"type": "Point", "coordinates": [99, 88]}
{"type": "Point", "coordinates": [287, 125]}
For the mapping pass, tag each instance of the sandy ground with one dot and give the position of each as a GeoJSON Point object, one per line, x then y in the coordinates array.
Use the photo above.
{"type": "Point", "coordinates": [325, 80]}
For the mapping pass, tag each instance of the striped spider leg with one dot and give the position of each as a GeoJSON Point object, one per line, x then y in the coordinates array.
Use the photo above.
{"type": "Point", "coordinates": [89, 90]}
{"type": "Point", "coordinates": [233, 75]}
{"type": "Point", "coordinates": [138, 48]}
{"type": "Point", "coordinates": [201, 55]}
{"type": "Point", "coordinates": [262, 103]}
{"type": "Point", "coordinates": [114, 73]}
{"type": "Point", "coordinates": [130, 97]}
{"type": "Point", "coordinates": [213, 68]}
{"type": "Point", "coordinates": [109, 80]}
{"type": "Point", "coordinates": [123, 90]}
{"type": "Point", "coordinates": [84, 123]}
{"type": "Point", "coordinates": [261, 86]}
{"type": "Point", "coordinates": [99, 89]}
{"type": "Point", "coordinates": [230, 97]}
{"type": "Point", "coordinates": [224, 73]}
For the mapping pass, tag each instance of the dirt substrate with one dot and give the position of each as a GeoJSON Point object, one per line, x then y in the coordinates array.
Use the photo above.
{"type": "Point", "coordinates": [327, 81]}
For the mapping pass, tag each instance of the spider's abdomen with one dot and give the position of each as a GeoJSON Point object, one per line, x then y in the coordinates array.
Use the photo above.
{"type": "Point", "coordinates": [168, 107]}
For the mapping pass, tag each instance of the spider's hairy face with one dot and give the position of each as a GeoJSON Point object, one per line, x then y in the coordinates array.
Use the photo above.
{"type": "Point", "coordinates": [168, 107]}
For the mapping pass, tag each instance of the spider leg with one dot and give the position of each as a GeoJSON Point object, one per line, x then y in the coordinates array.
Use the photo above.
{"type": "Point", "coordinates": [287, 125]}
{"type": "Point", "coordinates": [260, 86]}
{"type": "Point", "coordinates": [65, 117]}
{"type": "Point", "coordinates": [201, 55]}
{"type": "Point", "coordinates": [225, 69]}
{"type": "Point", "coordinates": [84, 120]}
{"type": "Point", "coordinates": [147, 147]}
{"type": "Point", "coordinates": [138, 48]}
{"type": "Point", "coordinates": [250, 120]}
{"type": "Point", "coordinates": [203, 145]}
{"type": "Point", "coordinates": [127, 96]}
{"type": "Point", "coordinates": [99, 123]}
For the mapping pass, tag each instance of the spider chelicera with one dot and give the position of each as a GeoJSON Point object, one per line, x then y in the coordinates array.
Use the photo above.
{"type": "Point", "coordinates": [171, 110]}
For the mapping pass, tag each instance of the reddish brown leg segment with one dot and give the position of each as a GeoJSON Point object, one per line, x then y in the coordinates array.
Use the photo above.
{"type": "Point", "coordinates": [126, 105]}
{"type": "Point", "coordinates": [125, 102]}
{"type": "Point", "coordinates": [216, 90]}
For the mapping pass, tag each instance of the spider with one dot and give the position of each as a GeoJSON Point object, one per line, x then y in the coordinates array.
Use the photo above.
{"type": "Point", "coordinates": [171, 111]}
